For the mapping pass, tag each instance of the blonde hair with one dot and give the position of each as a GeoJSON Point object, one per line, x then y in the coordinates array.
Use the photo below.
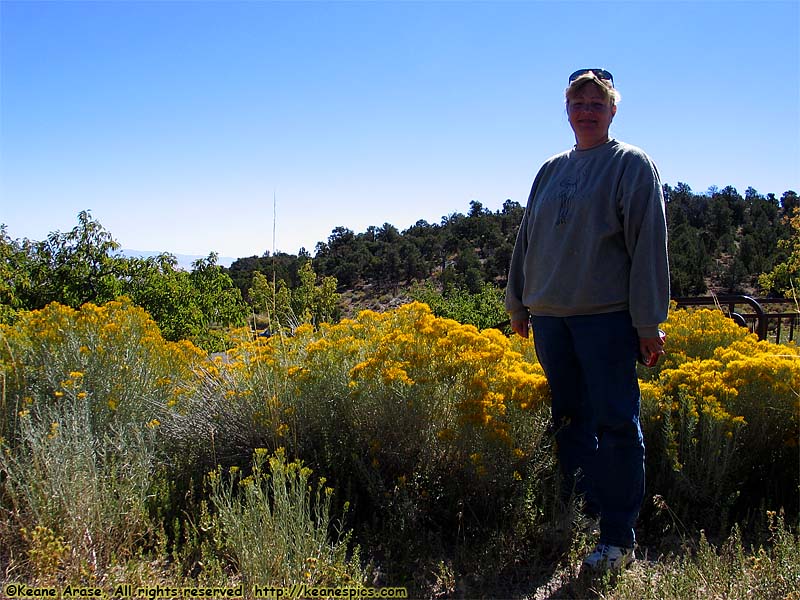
{"type": "Point", "coordinates": [605, 87]}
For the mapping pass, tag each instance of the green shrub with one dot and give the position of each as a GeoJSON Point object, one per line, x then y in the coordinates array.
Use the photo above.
{"type": "Point", "coordinates": [483, 310]}
{"type": "Point", "coordinates": [91, 491]}
{"type": "Point", "coordinates": [278, 526]}
{"type": "Point", "coordinates": [729, 571]}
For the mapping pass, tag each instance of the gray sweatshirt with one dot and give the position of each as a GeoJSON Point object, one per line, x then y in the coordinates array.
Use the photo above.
{"type": "Point", "coordinates": [593, 239]}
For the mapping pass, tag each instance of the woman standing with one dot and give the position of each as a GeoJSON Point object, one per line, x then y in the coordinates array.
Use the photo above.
{"type": "Point", "coordinates": [590, 274]}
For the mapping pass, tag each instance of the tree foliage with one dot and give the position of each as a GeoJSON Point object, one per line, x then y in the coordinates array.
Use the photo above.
{"type": "Point", "coordinates": [463, 251]}
{"type": "Point", "coordinates": [484, 309]}
{"type": "Point", "coordinates": [784, 279]}
{"type": "Point", "coordinates": [284, 308]}
{"type": "Point", "coordinates": [719, 241]}
{"type": "Point", "coordinates": [84, 265]}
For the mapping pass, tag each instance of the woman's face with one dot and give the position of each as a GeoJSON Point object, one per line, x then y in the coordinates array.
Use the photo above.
{"type": "Point", "coordinates": [590, 116]}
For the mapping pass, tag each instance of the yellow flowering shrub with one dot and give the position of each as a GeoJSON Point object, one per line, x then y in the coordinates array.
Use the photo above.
{"type": "Point", "coordinates": [403, 404]}
{"type": "Point", "coordinates": [697, 333]}
{"type": "Point", "coordinates": [116, 349]}
{"type": "Point", "coordinates": [112, 357]}
{"type": "Point", "coordinates": [721, 415]}
{"type": "Point", "coordinates": [86, 392]}
{"type": "Point", "coordinates": [403, 401]}
{"type": "Point", "coordinates": [423, 423]}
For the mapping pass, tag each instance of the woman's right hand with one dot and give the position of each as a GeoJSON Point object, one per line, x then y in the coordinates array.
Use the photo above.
{"type": "Point", "coordinates": [520, 327]}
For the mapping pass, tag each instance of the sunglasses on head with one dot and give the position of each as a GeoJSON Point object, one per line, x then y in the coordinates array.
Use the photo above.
{"type": "Point", "coordinates": [599, 73]}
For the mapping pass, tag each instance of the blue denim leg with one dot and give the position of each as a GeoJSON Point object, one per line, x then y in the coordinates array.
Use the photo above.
{"type": "Point", "coordinates": [576, 440]}
{"type": "Point", "coordinates": [590, 363]}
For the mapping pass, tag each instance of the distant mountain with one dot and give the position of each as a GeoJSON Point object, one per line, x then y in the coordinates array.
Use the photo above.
{"type": "Point", "coordinates": [184, 260]}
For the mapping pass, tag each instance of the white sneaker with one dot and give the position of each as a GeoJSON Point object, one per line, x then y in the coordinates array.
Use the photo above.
{"type": "Point", "coordinates": [607, 557]}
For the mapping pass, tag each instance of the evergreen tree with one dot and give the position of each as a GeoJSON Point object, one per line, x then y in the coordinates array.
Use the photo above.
{"type": "Point", "coordinates": [784, 279]}
{"type": "Point", "coordinates": [689, 261]}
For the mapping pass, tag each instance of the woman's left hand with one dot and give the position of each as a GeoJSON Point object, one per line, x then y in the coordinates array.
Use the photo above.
{"type": "Point", "coordinates": [648, 346]}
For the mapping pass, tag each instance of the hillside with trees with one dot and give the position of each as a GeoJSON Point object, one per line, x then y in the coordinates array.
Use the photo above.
{"type": "Point", "coordinates": [719, 241]}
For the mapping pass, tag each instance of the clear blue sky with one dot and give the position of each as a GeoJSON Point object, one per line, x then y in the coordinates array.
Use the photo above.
{"type": "Point", "coordinates": [176, 123]}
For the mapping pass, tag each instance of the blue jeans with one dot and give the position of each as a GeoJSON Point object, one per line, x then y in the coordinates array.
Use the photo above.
{"type": "Point", "coordinates": [590, 364]}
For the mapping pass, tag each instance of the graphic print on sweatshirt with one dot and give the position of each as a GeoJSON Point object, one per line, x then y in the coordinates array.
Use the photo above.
{"type": "Point", "coordinates": [570, 186]}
